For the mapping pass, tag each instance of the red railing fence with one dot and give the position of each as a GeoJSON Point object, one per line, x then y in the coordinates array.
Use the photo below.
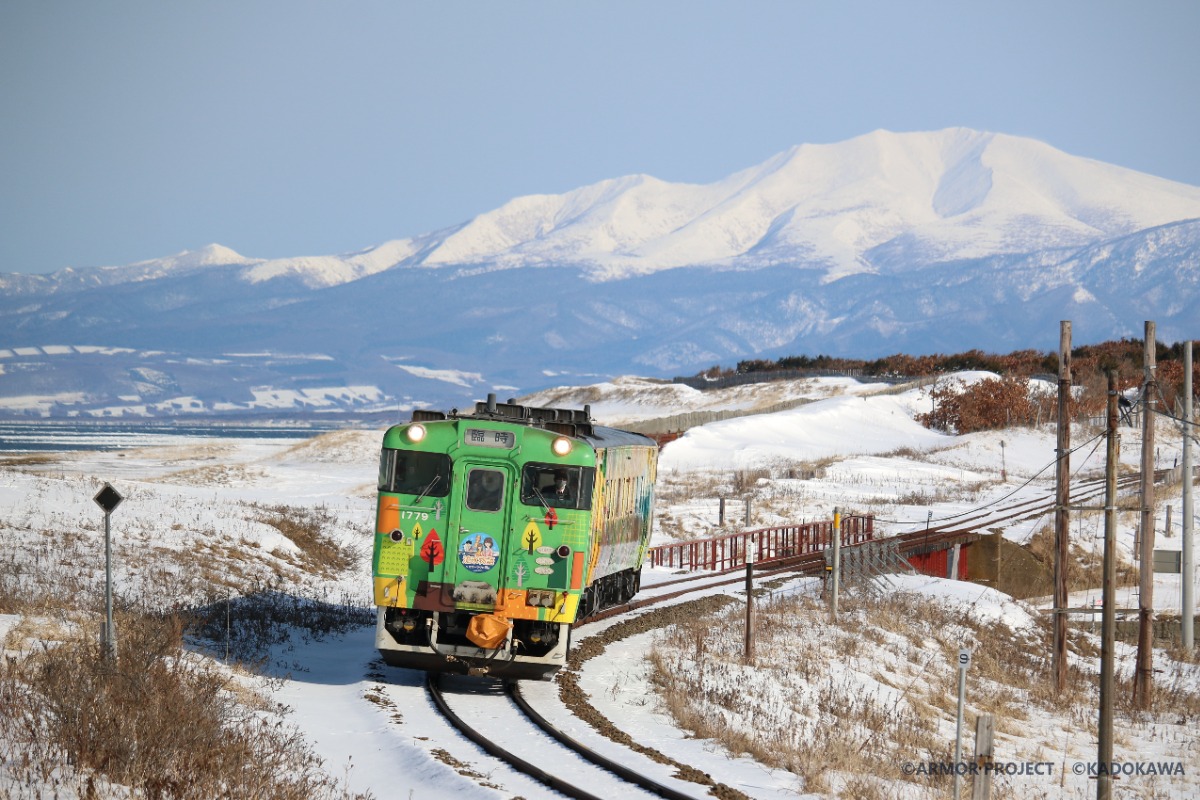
{"type": "Point", "coordinates": [727, 552]}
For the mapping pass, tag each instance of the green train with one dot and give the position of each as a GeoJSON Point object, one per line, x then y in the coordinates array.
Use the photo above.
{"type": "Point", "coordinates": [496, 530]}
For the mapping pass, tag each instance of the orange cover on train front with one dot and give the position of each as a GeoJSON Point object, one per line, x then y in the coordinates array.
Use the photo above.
{"type": "Point", "coordinates": [487, 631]}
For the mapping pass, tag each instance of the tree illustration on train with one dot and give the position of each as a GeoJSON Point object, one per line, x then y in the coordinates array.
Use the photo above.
{"type": "Point", "coordinates": [496, 530]}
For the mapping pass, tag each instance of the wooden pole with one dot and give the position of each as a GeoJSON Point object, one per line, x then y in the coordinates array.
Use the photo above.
{"type": "Point", "coordinates": [1143, 679]}
{"type": "Point", "coordinates": [837, 565]}
{"type": "Point", "coordinates": [749, 603]}
{"type": "Point", "coordinates": [1108, 625]}
{"type": "Point", "coordinates": [984, 757]}
{"type": "Point", "coordinates": [1189, 566]}
{"type": "Point", "coordinates": [1062, 518]}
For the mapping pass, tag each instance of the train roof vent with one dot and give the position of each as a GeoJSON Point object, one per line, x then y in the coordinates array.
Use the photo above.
{"type": "Point", "coordinates": [507, 411]}
{"type": "Point", "coordinates": [573, 416]}
{"type": "Point", "coordinates": [574, 430]}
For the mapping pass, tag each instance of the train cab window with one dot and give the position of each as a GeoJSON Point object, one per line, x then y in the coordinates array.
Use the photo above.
{"type": "Point", "coordinates": [485, 490]}
{"type": "Point", "coordinates": [557, 486]}
{"type": "Point", "coordinates": [413, 472]}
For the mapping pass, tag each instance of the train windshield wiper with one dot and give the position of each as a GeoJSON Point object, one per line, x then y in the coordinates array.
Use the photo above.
{"type": "Point", "coordinates": [427, 490]}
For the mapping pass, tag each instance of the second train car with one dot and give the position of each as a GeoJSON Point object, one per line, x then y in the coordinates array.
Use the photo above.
{"type": "Point", "coordinates": [497, 530]}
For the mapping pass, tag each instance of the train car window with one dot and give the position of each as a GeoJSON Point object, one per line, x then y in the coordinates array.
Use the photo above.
{"type": "Point", "coordinates": [412, 472]}
{"type": "Point", "coordinates": [485, 490]}
{"type": "Point", "coordinates": [557, 486]}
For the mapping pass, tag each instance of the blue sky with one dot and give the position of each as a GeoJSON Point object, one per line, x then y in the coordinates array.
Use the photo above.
{"type": "Point", "coordinates": [135, 130]}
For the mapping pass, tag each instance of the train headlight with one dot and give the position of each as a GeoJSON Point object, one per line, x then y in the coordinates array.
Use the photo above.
{"type": "Point", "coordinates": [415, 433]}
{"type": "Point", "coordinates": [561, 446]}
{"type": "Point", "coordinates": [408, 625]}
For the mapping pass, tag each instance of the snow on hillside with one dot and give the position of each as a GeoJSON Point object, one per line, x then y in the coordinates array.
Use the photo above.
{"type": "Point", "coordinates": [944, 195]}
{"type": "Point", "coordinates": [628, 400]}
{"type": "Point", "coordinates": [841, 426]}
{"type": "Point", "coordinates": [320, 271]}
{"type": "Point", "coordinates": [201, 503]}
{"type": "Point", "coordinates": [879, 202]}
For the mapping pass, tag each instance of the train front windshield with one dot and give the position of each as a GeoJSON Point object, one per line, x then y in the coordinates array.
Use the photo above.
{"type": "Point", "coordinates": [558, 486]}
{"type": "Point", "coordinates": [413, 472]}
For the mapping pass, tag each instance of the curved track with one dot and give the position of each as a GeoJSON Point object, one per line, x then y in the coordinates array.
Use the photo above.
{"type": "Point", "coordinates": [963, 529]}
{"type": "Point", "coordinates": [618, 778]}
{"type": "Point", "coordinates": [632, 783]}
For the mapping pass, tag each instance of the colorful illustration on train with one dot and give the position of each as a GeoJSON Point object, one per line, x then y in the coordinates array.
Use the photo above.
{"type": "Point", "coordinates": [496, 530]}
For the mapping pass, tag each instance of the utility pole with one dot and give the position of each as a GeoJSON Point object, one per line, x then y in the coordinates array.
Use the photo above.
{"type": "Point", "coordinates": [1108, 625]}
{"type": "Point", "coordinates": [1144, 675]}
{"type": "Point", "coordinates": [749, 601]}
{"type": "Point", "coordinates": [1062, 473]}
{"type": "Point", "coordinates": [1189, 567]}
{"type": "Point", "coordinates": [837, 565]}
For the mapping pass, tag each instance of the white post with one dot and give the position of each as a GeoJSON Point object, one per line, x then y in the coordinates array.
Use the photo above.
{"type": "Point", "coordinates": [964, 660]}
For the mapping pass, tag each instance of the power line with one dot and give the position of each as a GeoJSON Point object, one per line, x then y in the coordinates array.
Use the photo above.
{"type": "Point", "coordinates": [1002, 498]}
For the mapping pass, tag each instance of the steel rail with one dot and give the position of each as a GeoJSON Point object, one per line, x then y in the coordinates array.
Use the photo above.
{"type": "Point", "coordinates": [534, 771]}
{"type": "Point", "coordinates": [814, 563]}
{"type": "Point", "coordinates": [618, 769]}
{"type": "Point", "coordinates": [491, 748]}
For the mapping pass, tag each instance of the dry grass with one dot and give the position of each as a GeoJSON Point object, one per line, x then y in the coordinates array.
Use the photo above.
{"type": "Point", "coordinates": [826, 724]}
{"type": "Point", "coordinates": [1085, 566]}
{"type": "Point", "coordinates": [160, 721]}
{"type": "Point", "coordinates": [845, 739]}
{"type": "Point", "coordinates": [46, 579]}
{"type": "Point", "coordinates": [306, 527]}
{"type": "Point", "coordinates": [28, 459]}
{"type": "Point", "coordinates": [156, 720]}
{"type": "Point", "coordinates": [245, 628]}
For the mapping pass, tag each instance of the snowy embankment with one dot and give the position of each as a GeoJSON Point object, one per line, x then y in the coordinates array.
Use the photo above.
{"type": "Point", "coordinates": [201, 521]}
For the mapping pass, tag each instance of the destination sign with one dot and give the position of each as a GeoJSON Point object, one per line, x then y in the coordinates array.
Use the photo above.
{"type": "Point", "coordinates": [485, 438]}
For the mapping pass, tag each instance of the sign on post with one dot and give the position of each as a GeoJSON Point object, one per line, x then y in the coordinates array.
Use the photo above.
{"type": "Point", "coordinates": [1168, 561]}
{"type": "Point", "coordinates": [108, 499]}
{"type": "Point", "coordinates": [964, 661]}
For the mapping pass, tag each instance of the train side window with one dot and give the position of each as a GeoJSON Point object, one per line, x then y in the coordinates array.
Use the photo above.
{"type": "Point", "coordinates": [557, 486]}
{"type": "Point", "coordinates": [485, 490]}
{"type": "Point", "coordinates": [414, 472]}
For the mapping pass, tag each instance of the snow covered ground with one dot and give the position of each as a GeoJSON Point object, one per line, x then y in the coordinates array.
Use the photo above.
{"type": "Point", "coordinates": [195, 526]}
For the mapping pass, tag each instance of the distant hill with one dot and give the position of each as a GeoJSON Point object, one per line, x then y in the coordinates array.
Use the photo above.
{"type": "Point", "coordinates": [914, 242]}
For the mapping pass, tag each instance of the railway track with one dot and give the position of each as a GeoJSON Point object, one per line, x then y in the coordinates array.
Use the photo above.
{"type": "Point", "coordinates": [499, 714]}
{"type": "Point", "coordinates": [507, 728]}
{"type": "Point", "coordinates": [1081, 492]}
{"type": "Point", "coordinates": [961, 530]}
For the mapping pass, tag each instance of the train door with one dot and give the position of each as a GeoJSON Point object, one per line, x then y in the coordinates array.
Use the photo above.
{"type": "Point", "coordinates": [477, 558]}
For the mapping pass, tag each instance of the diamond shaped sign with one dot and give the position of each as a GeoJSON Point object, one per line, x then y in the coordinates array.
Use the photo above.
{"type": "Point", "coordinates": [108, 498]}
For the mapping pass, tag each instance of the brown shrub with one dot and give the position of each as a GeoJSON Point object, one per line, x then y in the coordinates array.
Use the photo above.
{"type": "Point", "coordinates": [155, 719]}
{"type": "Point", "coordinates": [989, 404]}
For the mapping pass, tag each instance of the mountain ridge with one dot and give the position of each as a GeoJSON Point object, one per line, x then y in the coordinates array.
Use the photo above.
{"type": "Point", "coordinates": [917, 242]}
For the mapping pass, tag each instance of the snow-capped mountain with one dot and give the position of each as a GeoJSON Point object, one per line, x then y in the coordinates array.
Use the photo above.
{"type": "Point", "coordinates": [917, 242]}
{"type": "Point", "coordinates": [879, 203]}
